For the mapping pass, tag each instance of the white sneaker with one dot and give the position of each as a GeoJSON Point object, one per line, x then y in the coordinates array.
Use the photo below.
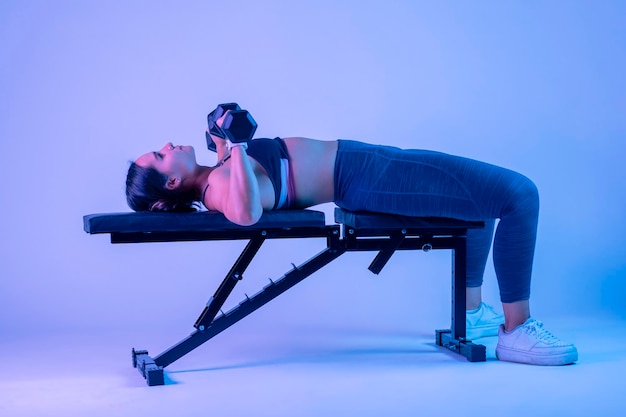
{"type": "Point", "coordinates": [482, 323]}
{"type": "Point", "coordinates": [531, 343]}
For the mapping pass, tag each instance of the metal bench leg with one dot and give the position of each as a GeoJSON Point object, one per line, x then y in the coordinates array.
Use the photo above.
{"type": "Point", "coordinates": [455, 338]}
{"type": "Point", "coordinates": [152, 368]}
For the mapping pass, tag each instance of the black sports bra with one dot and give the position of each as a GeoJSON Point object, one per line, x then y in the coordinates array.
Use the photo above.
{"type": "Point", "coordinates": [273, 156]}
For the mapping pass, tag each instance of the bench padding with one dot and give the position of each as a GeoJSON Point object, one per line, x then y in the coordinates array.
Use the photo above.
{"type": "Point", "coordinates": [147, 222]}
{"type": "Point", "coordinates": [367, 220]}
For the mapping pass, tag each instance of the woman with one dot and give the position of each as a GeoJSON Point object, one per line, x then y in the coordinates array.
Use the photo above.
{"type": "Point", "coordinates": [294, 173]}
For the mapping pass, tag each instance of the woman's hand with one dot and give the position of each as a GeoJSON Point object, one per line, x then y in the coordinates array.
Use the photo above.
{"type": "Point", "coordinates": [220, 143]}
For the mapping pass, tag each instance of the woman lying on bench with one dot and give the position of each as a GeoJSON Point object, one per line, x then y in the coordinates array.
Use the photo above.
{"type": "Point", "coordinates": [295, 173]}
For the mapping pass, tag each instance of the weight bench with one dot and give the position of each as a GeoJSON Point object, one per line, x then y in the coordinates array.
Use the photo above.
{"type": "Point", "coordinates": [353, 231]}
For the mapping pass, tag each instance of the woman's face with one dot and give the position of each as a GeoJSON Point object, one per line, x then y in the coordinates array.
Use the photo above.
{"type": "Point", "coordinates": [172, 161]}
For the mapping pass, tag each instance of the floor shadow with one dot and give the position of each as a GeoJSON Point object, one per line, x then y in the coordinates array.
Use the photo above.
{"type": "Point", "coordinates": [422, 354]}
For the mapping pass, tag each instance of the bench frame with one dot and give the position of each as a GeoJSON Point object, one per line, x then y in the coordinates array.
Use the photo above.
{"type": "Point", "coordinates": [383, 234]}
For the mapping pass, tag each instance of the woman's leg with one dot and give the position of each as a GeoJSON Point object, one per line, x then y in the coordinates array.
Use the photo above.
{"type": "Point", "coordinates": [515, 314]}
{"type": "Point", "coordinates": [481, 320]}
{"type": "Point", "coordinates": [478, 247]}
{"type": "Point", "coordinates": [423, 183]}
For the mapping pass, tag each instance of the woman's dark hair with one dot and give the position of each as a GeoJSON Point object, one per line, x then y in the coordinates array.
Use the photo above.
{"type": "Point", "coordinates": [145, 191]}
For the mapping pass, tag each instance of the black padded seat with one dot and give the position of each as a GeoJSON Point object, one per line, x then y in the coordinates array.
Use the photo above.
{"type": "Point", "coordinates": [149, 222]}
{"type": "Point", "coordinates": [368, 220]}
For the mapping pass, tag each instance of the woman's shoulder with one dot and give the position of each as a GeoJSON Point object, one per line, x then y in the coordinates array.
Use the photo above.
{"type": "Point", "coordinates": [214, 187]}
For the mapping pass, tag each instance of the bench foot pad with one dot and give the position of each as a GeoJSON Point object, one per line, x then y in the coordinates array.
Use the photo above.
{"type": "Point", "coordinates": [471, 351]}
{"type": "Point", "coordinates": [148, 368]}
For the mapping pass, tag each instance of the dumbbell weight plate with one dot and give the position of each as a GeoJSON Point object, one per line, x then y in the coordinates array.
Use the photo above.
{"type": "Point", "coordinates": [212, 119]}
{"type": "Point", "coordinates": [239, 126]}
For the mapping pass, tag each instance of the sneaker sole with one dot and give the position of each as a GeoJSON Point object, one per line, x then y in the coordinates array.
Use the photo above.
{"type": "Point", "coordinates": [512, 355]}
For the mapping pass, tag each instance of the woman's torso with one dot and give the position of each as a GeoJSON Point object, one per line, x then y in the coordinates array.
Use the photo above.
{"type": "Point", "coordinates": [313, 170]}
{"type": "Point", "coordinates": [312, 166]}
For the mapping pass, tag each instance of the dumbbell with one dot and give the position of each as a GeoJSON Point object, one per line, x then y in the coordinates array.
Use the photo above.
{"type": "Point", "coordinates": [238, 125]}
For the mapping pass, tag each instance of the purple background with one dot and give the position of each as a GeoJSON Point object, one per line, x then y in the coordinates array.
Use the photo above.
{"type": "Point", "coordinates": [87, 86]}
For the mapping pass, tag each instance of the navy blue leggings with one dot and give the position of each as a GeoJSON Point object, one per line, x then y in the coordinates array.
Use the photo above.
{"type": "Point", "coordinates": [413, 182]}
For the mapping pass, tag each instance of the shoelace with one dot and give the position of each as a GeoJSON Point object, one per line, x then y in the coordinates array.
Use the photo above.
{"type": "Point", "coordinates": [536, 328]}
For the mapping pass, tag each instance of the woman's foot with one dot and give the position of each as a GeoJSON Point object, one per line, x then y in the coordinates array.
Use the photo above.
{"type": "Point", "coordinates": [482, 322]}
{"type": "Point", "coordinates": [532, 344]}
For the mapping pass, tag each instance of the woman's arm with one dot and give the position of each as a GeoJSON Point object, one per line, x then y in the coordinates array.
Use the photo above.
{"type": "Point", "coordinates": [242, 203]}
{"type": "Point", "coordinates": [220, 147]}
{"type": "Point", "coordinates": [239, 194]}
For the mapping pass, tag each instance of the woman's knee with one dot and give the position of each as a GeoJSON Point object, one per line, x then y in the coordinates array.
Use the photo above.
{"type": "Point", "coordinates": [524, 195]}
